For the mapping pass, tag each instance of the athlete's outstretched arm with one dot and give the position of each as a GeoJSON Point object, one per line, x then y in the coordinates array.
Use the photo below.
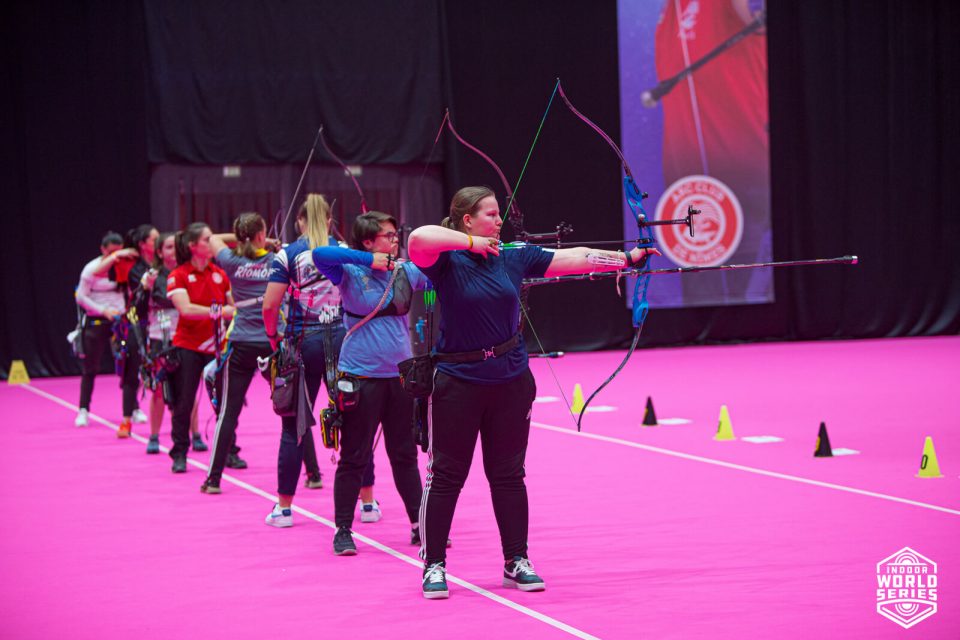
{"type": "Point", "coordinates": [585, 260]}
{"type": "Point", "coordinates": [428, 242]}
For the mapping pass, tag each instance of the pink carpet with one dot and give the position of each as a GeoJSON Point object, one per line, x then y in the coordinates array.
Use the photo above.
{"type": "Point", "coordinates": [639, 532]}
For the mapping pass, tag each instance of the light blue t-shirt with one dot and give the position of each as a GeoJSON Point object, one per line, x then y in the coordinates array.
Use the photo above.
{"type": "Point", "coordinates": [375, 349]}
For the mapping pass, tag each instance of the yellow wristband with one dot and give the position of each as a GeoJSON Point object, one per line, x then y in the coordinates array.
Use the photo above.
{"type": "Point", "coordinates": [470, 238]}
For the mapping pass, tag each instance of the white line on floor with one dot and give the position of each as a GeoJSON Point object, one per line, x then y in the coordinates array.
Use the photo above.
{"type": "Point", "coordinates": [542, 617]}
{"type": "Point", "coordinates": [740, 467]}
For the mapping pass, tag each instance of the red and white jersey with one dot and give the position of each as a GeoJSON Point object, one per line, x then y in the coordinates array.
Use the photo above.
{"type": "Point", "coordinates": [715, 119]}
{"type": "Point", "coordinates": [206, 287]}
{"type": "Point", "coordinates": [96, 293]}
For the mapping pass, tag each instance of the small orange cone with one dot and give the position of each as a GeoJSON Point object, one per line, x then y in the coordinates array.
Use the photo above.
{"type": "Point", "coordinates": [929, 468]}
{"type": "Point", "coordinates": [724, 427]}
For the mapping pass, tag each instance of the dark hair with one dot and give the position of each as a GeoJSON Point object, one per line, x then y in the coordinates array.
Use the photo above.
{"type": "Point", "coordinates": [157, 258]}
{"type": "Point", "coordinates": [111, 237]}
{"type": "Point", "coordinates": [137, 235]}
{"type": "Point", "coordinates": [464, 203]}
{"type": "Point", "coordinates": [367, 226]}
{"type": "Point", "coordinates": [191, 234]}
{"type": "Point", "coordinates": [246, 227]}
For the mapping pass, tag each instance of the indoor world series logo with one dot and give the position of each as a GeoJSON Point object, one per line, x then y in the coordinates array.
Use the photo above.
{"type": "Point", "coordinates": [907, 587]}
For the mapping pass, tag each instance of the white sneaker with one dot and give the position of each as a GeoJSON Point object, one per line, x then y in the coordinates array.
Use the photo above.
{"type": "Point", "coordinates": [82, 419]}
{"type": "Point", "coordinates": [370, 512]}
{"type": "Point", "coordinates": [139, 417]}
{"type": "Point", "coordinates": [280, 517]}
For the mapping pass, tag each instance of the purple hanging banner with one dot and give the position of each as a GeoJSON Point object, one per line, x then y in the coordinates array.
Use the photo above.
{"type": "Point", "coordinates": [693, 91]}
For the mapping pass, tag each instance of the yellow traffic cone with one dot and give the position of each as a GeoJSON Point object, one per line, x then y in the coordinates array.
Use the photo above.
{"type": "Point", "coordinates": [928, 463]}
{"type": "Point", "coordinates": [724, 428]}
{"type": "Point", "coordinates": [18, 373]}
{"type": "Point", "coordinates": [577, 405]}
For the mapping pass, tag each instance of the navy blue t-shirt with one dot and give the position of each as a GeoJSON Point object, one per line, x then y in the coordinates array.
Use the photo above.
{"type": "Point", "coordinates": [480, 308]}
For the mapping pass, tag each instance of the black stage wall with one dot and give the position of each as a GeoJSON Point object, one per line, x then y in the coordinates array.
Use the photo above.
{"type": "Point", "coordinates": [863, 109]}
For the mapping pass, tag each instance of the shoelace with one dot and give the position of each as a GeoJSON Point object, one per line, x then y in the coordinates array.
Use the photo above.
{"type": "Point", "coordinates": [524, 566]}
{"type": "Point", "coordinates": [435, 574]}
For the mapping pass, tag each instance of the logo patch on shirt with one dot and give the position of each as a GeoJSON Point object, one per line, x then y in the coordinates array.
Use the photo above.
{"type": "Point", "coordinates": [191, 278]}
{"type": "Point", "coordinates": [217, 278]}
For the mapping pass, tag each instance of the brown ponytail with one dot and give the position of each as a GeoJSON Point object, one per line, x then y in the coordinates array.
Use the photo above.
{"type": "Point", "coordinates": [191, 234]}
{"type": "Point", "coordinates": [246, 227]}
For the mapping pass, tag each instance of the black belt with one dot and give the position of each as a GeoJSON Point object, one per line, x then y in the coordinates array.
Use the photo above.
{"type": "Point", "coordinates": [480, 355]}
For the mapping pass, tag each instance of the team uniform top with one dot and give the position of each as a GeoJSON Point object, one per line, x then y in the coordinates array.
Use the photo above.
{"type": "Point", "coordinates": [206, 287]}
{"type": "Point", "coordinates": [96, 293]}
{"type": "Point", "coordinates": [248, 279]}
{"type": "Point", "coordinates": [376, 347]}
{"type": "Point", "coordinates": [480, 308]}
{"type": "Point", "coordinates": [313, 299]}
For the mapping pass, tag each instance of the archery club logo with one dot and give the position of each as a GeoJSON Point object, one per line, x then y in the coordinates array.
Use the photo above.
{"type": "Point", "coordinates": [717, 229]}
{"type": "Point", "coordinates": [906, 587]}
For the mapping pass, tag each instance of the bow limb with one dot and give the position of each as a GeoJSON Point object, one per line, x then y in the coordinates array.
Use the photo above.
{"type": "Point", "coordinates": [634, 199]}
{"type": "Point", "coordinates": [277, 230]}
{"type": "Point", "coordinates": [515, 217]}
{"type": "Point", "coordinates": [346, 171]}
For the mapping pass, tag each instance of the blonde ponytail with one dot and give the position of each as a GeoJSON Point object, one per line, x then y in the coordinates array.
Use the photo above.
{"type": "Point", "coordinates": [315, 217]}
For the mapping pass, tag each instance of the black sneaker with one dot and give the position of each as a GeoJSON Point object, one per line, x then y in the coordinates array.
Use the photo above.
{"type": "Point", "coordinates": [210, 485]}
{"type": "Point", "coordinates": [198, 443]}
{"type": "Point", "coordinates": [415, 538]}
{"type": "Point", "coordinates": [179, 464]}
{"type": "Point", "coordinates": [153, 444]}
{"type": "Point", "coordinates": [435, 581]}
{"type": "Point", "coordinates": [343, 543]}
{"type": "Point", "coordinates": [313, 481]}
{"type": "Point", "coordinates": [235, 462]}
{"type": "Point", "coordinates": [519, 574]}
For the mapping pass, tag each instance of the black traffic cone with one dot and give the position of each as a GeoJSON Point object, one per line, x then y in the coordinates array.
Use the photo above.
{"type": "Point", "coordinates": [649, 416]}
{"type": "Point", "coordinates": [823, 443]}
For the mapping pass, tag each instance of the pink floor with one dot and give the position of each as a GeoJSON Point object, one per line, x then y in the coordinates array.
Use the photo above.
{"type": "Point", "coordinates": [725, 540]}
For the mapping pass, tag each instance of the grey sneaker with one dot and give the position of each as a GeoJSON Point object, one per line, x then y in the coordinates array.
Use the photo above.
{"type": "Point", "coordinates": [343, 544]}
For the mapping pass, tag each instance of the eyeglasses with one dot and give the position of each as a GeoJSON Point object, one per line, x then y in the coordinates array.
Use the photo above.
{"type": "Point", "coordinates": [391, 236]}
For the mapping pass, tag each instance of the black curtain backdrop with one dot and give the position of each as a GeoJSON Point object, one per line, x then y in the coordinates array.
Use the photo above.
{"type": "Point", "coordinates": [863, 111]}
{"type": "Point", "coordinates": [245, 81]}
{"type": "Point", "coordinates": [74, 162]}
